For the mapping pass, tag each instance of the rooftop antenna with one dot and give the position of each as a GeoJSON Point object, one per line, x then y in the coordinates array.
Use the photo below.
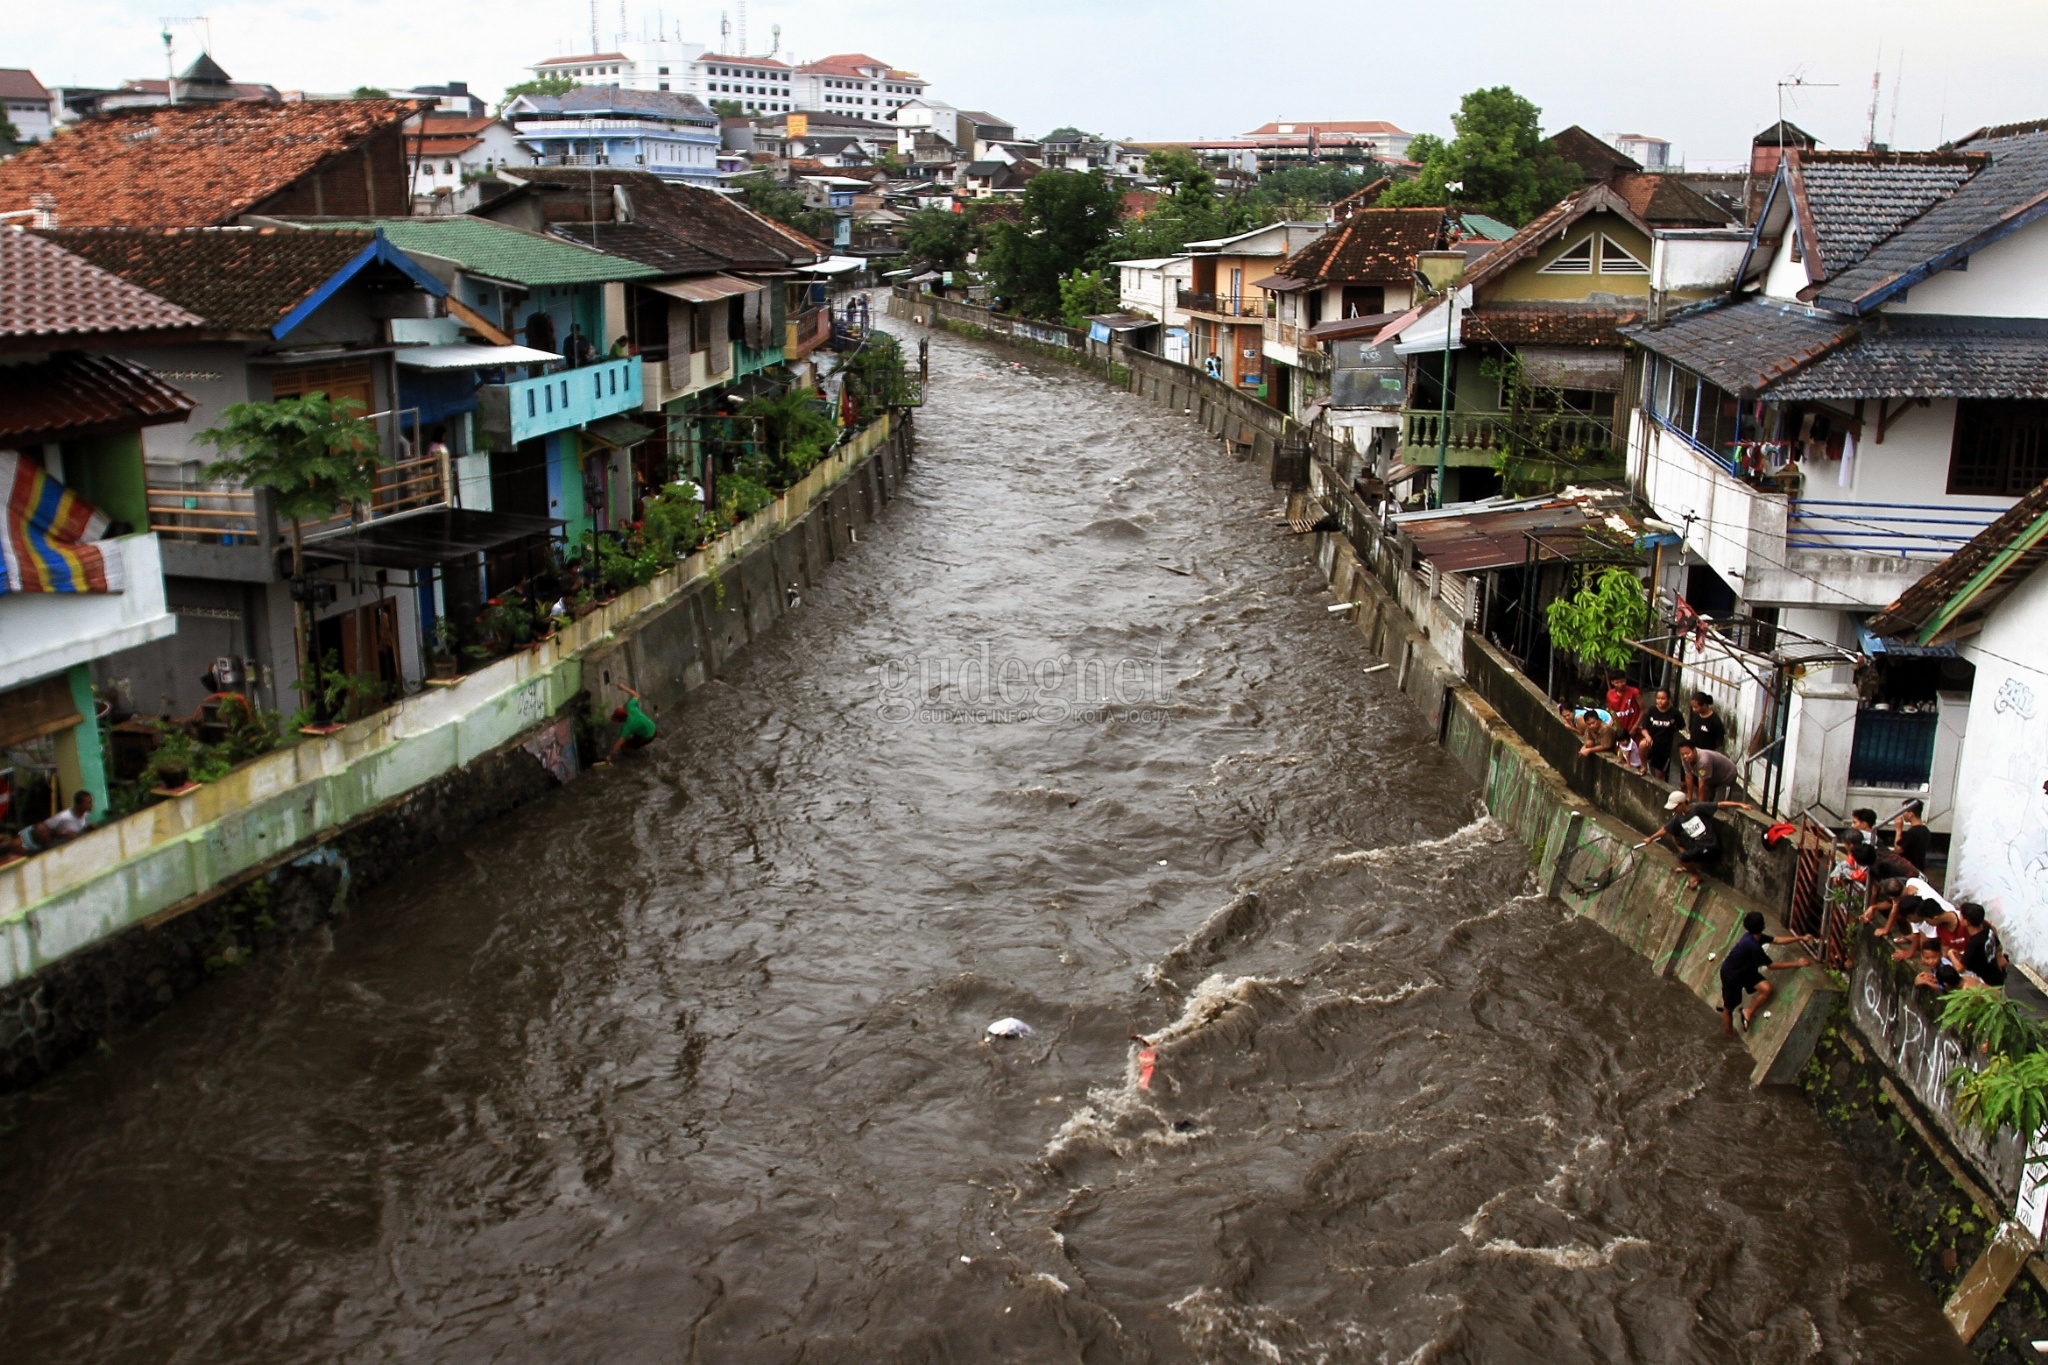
{"type": "Point", "coordinates": [741, 6]}
{"type": "Point", "coordinates": [623, 30]}
{"type": "Point", "coordinates": [593, 28]}
{"type": "Point", "coordinates": [1898, 79]}
{"type": "Point", "coordinates": [724, 33]}
{"type": "Point", "coordinates": [1796, 83]}
{"type": "Point", "coordinates": [1876, 91]}
{"type": "Point", "coordinates": [777, 30]}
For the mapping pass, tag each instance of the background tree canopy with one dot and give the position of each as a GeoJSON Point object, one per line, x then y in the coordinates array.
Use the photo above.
{"type": "Point", "coordinates": [1069, 219]}
{"type": "Point", "coordinates": [1509, 169]}
{"type": "Point", "coordinates": [941, 239]}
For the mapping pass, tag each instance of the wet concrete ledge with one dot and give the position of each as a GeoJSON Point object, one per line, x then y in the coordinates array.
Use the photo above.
{"type": "Point", "coordinates": [127, 919]}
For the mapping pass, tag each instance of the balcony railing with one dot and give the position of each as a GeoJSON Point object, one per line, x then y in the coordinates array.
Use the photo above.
{"type": "Point", "coordinates": [1226, 305]}
{"type": "Point", "coordinates": [1909, 530]}
{"type": "Point", "coordinates": [214, 513]}
{"type": "Point", "coordinates": [807, 331]}
{"type": "Point", "coordinates": [1554, 434]}
{"type": "Point", "coordinates": [527, 408]}
{"type": "Point", "coordinates": [573, 159]}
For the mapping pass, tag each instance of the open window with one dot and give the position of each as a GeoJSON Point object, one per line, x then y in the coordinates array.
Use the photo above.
{"type": "Point", "coordinates": [2000, 448]}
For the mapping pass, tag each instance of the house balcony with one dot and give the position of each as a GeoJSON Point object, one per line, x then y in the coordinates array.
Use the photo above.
{"type": "Point", "coordinates": [1483, 433]}
{"type": "Point", "coordinates": [527, 408]}
{"type": "Point", "coordinates": [1783, 548]}
{"type": "Point", "coordinates": [806, 332]}
{"type": "Point", "coordinates": [748, 360]}
{"type": "Point", "coordinates": [659, 387]}
{"type": "Point", "coordinates": [1228, 306]}
{"type": "Point", "coordinates": [213, 529]}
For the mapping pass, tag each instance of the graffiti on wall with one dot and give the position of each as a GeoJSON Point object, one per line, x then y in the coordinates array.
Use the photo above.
{"type": "Point", "coordinates": [555, 747]}
{"type": "Point", "coordinates": [1897, 1019]}
{"type": "Point", "coordinates": [2000, 858]}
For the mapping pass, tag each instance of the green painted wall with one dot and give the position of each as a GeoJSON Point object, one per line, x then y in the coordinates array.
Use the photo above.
{"type": "Point", "coordinates": [107, 472]}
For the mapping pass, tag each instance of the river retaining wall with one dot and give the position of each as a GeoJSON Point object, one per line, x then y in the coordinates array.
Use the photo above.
{"type": "Point", "coordinates": [108, 929]}
{"type": "Point", "coordinates": [1866, 1050]}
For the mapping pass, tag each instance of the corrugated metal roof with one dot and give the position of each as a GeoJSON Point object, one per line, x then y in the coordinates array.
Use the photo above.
{"type": "Point", "coordinates": [1498, 538]}
{"type": "Point", "coordinates": [501, 252]}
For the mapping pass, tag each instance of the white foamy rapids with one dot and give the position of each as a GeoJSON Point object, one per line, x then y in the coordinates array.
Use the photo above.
{"type": "Point", "coordinates": [1215, 1323]}
{"type": "Point", "coordinates": [1216, 997]}
{"type": "Point", "coordinates": [1480, 833]}
{"type": "Point", "coordinates": [1563, 1258]}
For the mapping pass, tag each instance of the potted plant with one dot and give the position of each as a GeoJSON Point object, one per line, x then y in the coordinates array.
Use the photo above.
{"type": "Point", "coordinates": [170, 767]}
{"type": "Point", "coordinates": [446, 667]}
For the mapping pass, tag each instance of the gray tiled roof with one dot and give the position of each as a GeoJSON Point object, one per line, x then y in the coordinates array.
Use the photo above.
{"type": "Point", "coordinates": [1918, 356]}
{"type": "Point", "coordinates": [2005, 195]}
{"type": "Point", "coordinates": [1747, 346]}
{"type": "Point", "coordinates": [1858, 201]}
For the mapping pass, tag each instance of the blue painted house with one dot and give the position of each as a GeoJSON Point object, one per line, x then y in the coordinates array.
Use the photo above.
{"type": "Point", "coordinates": [671, 135]}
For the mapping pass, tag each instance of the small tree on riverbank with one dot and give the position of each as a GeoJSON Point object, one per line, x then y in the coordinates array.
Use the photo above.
{"type": "Point", "coordinates": [1597, 622]}
{"type": "Point", "coordinates": [313, 455]}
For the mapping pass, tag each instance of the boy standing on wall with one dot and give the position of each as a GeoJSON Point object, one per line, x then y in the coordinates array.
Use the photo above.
{"type": "Point", "coordinates": [1742, 971]}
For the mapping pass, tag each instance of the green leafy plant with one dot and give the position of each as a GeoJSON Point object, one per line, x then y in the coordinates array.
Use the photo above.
{"type": "Point", "coordinates": [796, 431]}
{"type": "Point", "coordinates": [1986, 1018]}
{"type": "Point", "coordinates": [175, 760]}
{"type": "Point", "coordinates": [739, 497]}
{"type": "Point", "coordinates": [313, 455]}
{"type": "Point", "coordinates": [2010, 1092]}
{"type": "Point", "coordinates": [1508, 168]}
{"type": "Point", "coordinates": [1597, 622]}
{"type": "Point", "coordinates": [1083, 292]}
{"type": "Point", "coordinates": [545, 85]}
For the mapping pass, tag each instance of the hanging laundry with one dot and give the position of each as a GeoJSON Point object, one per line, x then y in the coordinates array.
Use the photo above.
{"type": "Point", "coordinates": [1847, 478]}
{"type": "Point", "coordinates": [46, 534]}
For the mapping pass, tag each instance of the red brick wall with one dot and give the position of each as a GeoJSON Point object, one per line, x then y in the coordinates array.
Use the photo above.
{"type": "Point", "coordinates": [368, 179]}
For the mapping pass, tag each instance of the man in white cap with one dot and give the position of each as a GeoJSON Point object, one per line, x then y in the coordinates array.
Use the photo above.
{"type": "Point", "coordinates": [1691, 829]}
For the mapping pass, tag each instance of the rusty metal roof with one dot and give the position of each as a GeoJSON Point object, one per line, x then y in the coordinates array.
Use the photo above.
{"type": "Point", "coordinates": [1499, 537]}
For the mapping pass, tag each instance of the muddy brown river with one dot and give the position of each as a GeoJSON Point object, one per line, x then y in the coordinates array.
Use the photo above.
{"type": "Point", "coordinates": [687, 1063]}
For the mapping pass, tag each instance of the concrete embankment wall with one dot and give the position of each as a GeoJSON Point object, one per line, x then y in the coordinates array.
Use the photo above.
{"type": "Point", "coordinates": [111, 927]}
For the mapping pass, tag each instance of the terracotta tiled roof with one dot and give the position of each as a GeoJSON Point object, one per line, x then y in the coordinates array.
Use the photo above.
{"type": "Point", "coordinates": [843, 64]}
{"type": "Point", "coordinates": [83, 395]}
{"type": "Point", "coordinates": [1371, 246]}
{"type": "Point", "coordinates": [1303, 127]}
{"type": "Point", "coordinates": [1662, 201]}
{"type": "Point", "coordinates": [187, 167]}
{"type": "Point", "coordinates": [1535, 324]}
{"type": "Point", "coordinates": [46, 291]}
{"type": "Point", "coordinates": [238, 279]}
{"type": "Point", "coordinates": [592, 57]}
{"type": "Point", "coordinates": [17, 83]}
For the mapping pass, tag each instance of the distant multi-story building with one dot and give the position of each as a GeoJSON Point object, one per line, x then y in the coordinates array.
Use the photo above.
{"type": "Point", "coordinates": [852, 83]}
{"type": "Point", "coordinates": [857, 84]}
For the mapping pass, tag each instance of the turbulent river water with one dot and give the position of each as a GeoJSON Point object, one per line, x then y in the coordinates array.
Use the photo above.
{"type": "Point", "coordinates": [687, 1061]}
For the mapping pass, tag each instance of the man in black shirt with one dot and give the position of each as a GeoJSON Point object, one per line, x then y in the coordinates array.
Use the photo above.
{"type": "Point", "coordinates": [1883, 863]}
{"type": "Point", "coordinates": [1912, 835]}
{"type": "Point", "coordinates": [1982, 960]}
{"type": "Point", "coordinates": [1664, 724]}
{"type": "Point", "coordinates": [1707, 729]}
{"type": "Point", "coordinates": [1742, 971]}
{"type": "Point", "coordinates": [1691, 831]}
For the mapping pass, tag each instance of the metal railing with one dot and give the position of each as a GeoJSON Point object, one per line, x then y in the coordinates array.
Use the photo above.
{"type": "Point", "coordinates": [807, 330]}
{"type": "Point", "coordinates": [1225, 305]}
{"type": "Point", "coordinates": [209, 513]}
{"type": "Point", "coordinates": [1910, 530]}
{"type": "Point", "coordinates": [573, 159]}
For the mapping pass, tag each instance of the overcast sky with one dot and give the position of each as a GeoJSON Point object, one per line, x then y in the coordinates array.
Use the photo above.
{"type": "Point", "coordinates": [1702, 75]}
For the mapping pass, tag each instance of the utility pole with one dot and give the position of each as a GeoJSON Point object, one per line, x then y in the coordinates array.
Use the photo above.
{"type": "Point", "coordinates": [1443, 415]}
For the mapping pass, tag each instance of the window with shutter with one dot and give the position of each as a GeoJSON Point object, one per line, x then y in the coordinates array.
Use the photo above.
{"type": "Point", "coordinates": [717, 316]}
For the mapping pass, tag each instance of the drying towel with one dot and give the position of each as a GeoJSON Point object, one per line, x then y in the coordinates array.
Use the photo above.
{"type": "Point", "coordinates": [46, 534]}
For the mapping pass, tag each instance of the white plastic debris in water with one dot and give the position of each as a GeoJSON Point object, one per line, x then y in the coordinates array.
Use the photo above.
{"type": "Point", "coordinates": [1011, 1028]}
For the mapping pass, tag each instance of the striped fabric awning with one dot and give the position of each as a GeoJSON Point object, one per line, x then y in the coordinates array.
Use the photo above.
{"type": "Point", "coordinates": [46, 534]}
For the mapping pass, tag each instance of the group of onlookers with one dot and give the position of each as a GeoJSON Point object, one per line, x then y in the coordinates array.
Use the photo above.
{"type": "Point", "coordinates": [1683, 750]}
{"type": "Point", "coordinates": [1952, 945]}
